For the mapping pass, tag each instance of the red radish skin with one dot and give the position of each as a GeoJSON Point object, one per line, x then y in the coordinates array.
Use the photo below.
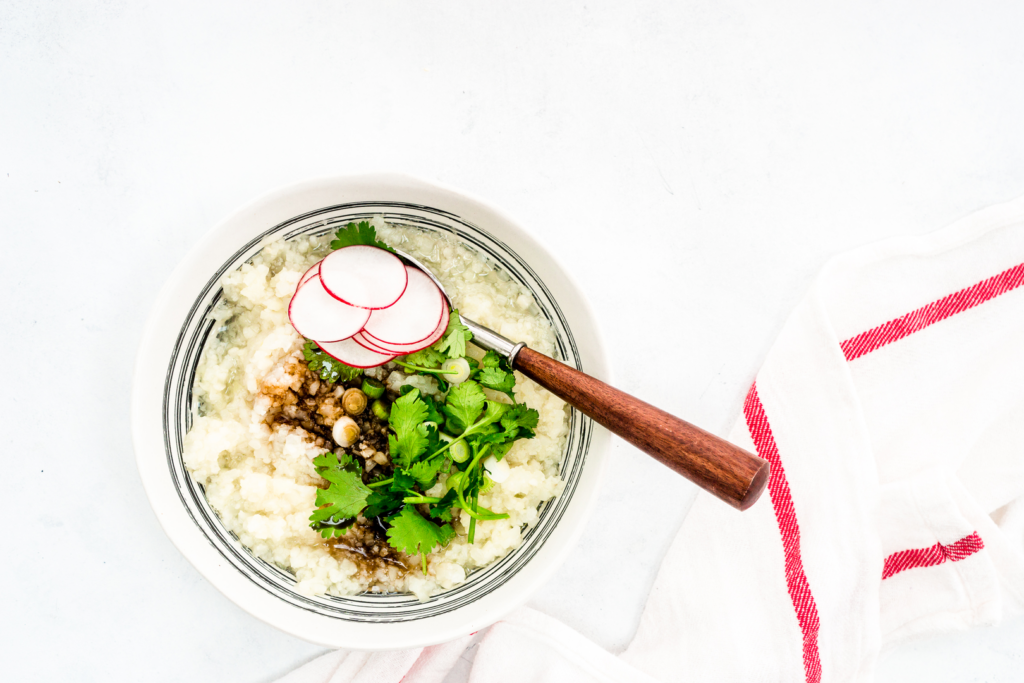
{"type": "Point", "coordinates": [313, 271]}
{"type": "Point", "coordinates": [364, 276]}
{"type": "Point", "coordinates": [413, 318]}
{"type": "Point", "coordinates": [315, 314]}
{"type": "Point", "coordinates": [404, 349]}
{"type": "Point", "coordinates": [358, 338]}
{"type": "Point", "coordinates": [368, 342]}
{"type": "Point", "coordinates": [351, 353]}
{"type": "Point", "coordinates": [442, 326]}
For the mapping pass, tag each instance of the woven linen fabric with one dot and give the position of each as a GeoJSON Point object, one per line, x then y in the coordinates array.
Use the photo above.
{"type": "Point", "coordinates": [891, 410]}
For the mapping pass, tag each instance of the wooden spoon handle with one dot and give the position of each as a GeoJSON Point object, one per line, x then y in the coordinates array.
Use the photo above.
{"type": "Point", "coordinates": [731, 473]}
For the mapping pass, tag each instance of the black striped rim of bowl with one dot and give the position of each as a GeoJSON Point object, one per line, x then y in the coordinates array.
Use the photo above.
{"type": "Point", "coordinates": [365, 607]}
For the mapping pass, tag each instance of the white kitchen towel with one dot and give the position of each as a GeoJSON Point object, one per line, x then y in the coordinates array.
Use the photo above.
{"type": "Point", "coordinates": [891, 409]}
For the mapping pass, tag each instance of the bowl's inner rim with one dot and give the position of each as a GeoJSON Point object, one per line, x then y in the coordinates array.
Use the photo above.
{"type": "Point", "coordinates": [178, 414]}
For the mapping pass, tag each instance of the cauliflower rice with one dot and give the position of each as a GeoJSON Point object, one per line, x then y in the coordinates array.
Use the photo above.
{"type": "Point", "coordinates": [260, 478]}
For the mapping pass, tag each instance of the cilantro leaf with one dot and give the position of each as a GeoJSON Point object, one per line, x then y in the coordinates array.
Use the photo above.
{"type": "Point", "coordinates": [402, 481]}
{"type": "Point", "coordinates": [463, 405]}
{"type": "Point", "coordinates": [442, 510]}
{"type": "Point", "coordinates": [410, 532]}
{"type": "Point", "coordinates": [425, 472]}
{"type": "Point", "coordinates": [433, 410]}
{"type": "Point", "coordinates": [412, 444]}
{"type": "Point", "coordinates": [411, 436]}
{"type": "Point", "coordinates": [495, 411]}
{"type": "Point", "coordinates": [361, 233]}
{"type": "Point", "coordinates": [518, 422]}
{"type": "Point", "coordinates": [426, 358]}
{"type": "Point", "coordinates": [331, 529]}
{"type": "Point", "coordinates": [455, 337]}
{"type": "Point", "coordinates": [519, 416]}
{"type": "Point", "coordinates": [331, 461]}
{"type": "Point", "coordinates": [382, 503]}
{"type": "Point", "coordinates": [493, 359]}
{"type": "Point", "coordinates": [327, 368]}
{"type": "Point", "coordinates": [345, 497]}
{"type": "Point", "coordinates": [406, 448]}
{"type": "Point", "coordinates": [495, 373]}
{"type": "Point", "coordinates": [342, 500]}
{"type": "Point", "coordinates": [500, 450]}
{"type": "Point", "coordinates": [499, 380]}
{"type": "Point", "coordinates": [407, 412]}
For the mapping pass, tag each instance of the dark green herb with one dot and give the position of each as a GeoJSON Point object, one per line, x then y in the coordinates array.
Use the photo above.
{"type": "Point", "coordinates": [358, 233]}
{"type": "Point", "coordinates": [411, 532]}
{"type": "Point", "coordinates": [455, 337]}
{"type": "Point", "coordinates": [495, 373]}
{"type": "Point", "coordinates": [339, 503]}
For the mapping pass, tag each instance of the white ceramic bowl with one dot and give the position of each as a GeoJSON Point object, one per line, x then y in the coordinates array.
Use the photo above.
{"type": "Point", "coordinates": [162, 406]}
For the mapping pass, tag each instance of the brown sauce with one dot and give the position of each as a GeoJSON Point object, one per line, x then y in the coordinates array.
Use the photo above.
{"type": "Point", "coordinates": [366, 545]}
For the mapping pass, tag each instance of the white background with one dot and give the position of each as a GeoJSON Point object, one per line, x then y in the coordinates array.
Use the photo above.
{"type": "Point", "coordinates": [693, 163]}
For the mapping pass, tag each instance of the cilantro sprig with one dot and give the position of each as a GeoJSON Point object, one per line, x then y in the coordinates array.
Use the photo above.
{"type": "Point", "coordinates": [412, 436]}
{"type": "Point", "coordinates": [358, 233]}
{"type": "Point", "coordinates": [495, 373]}
{"type": "Point", "coordinates": [340, 503]}
{"type": "Point", "coordinates": [453, 343]}
{"type": "Point", "coordinates": [412, 533]}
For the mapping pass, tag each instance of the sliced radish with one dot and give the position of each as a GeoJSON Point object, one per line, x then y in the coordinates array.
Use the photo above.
{"type": "Point", "coordinates": [403, 349]}
{"type": "Point", "coordinates": [351, 353]}
{"type": "Point", "coordinates": [364, 276]}
{"type": "Point", "coordinates": [313, 271]}
{"type": "Point", "coordinates": [366, 343]}
{"type": "Point", "coordinates": [315, 314]}
{"type": "Point", "coordinates": [412, 318]}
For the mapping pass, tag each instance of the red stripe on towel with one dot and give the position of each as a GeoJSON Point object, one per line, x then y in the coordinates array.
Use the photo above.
{"type": "Point", "coordinates": [897, 329]}
{"type": "Point", "coordinates": [785, 515]}
{"type": "Point", "coordinates": [929, 557]}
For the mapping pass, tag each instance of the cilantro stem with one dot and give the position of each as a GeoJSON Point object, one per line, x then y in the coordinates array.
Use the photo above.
{"type": "Point", "coordinates": [416, 500]}
{"type": "Point", "coordinates": [469, 432]}
{"type": "Point", "coordinates": [381, 482]}
{"type": "Point", "coordinates": [472, 521]}
{"type": "Point", "coordinates": [473, 512]}
{"type": "Point", "coordinates": [479, 456]}
{"type": "Point", "coordinates": [420, 368]}
{"type": "Point", "coordinates": [423, 557]}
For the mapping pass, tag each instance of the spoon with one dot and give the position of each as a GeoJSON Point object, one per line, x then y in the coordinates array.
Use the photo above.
{"type": "Point", "coordinates": [729, 472]}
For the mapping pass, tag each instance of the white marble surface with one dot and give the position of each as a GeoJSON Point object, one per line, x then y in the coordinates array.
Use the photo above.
{"type": "Point", "coordinates": [694, 163]}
